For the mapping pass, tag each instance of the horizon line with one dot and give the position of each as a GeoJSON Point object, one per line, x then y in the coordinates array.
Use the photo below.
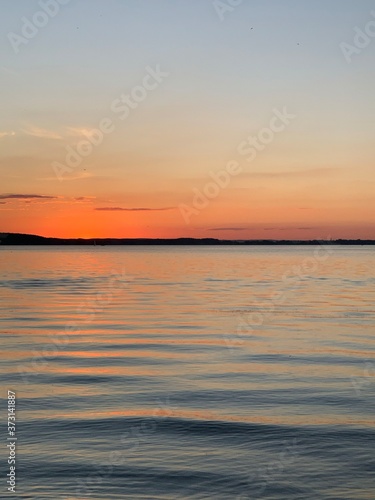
{"type": "Point", "coordinates": [116, 240]}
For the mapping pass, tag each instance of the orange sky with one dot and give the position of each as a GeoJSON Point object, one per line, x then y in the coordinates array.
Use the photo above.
{"type": "Point", "coordinates": [155, 121]}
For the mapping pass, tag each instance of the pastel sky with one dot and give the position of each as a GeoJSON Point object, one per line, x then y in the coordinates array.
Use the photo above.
{"type": "Point", "coordinates": [178, 88]}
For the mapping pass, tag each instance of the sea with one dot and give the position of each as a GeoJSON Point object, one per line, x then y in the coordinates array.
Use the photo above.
{"type": "Point", "coordinates": [188, 372]}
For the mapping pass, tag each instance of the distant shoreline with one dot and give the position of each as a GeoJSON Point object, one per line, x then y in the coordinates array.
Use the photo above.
{"type": "Point", "coordinates": [14, 239]}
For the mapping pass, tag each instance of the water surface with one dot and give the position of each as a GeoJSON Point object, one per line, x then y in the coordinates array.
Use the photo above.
{"type": "Point", "coordinates": [191, 372]}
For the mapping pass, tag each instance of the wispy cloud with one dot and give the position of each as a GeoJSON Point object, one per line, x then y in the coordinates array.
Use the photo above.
{"type": "Point", "coordinates": [228, 229]}
{"type": "Point", "coordinates": [42, 133]}
{"type": "Point", "coordinates": [25, 197]}
{"type": "Point", "coordinates": [120, 209]}
{"type": "Point", "coordinates": [7, 134]}
{"type": "Point", "coordinates": [281, 174]}
{"type": "Point", "coordinates": [74, 177]}
{"type": "Point", "coordinates": [79, 131]}
{"type": "Point", "coordinates": [288, 228]}
{"type": "Point", "coordinates": [293, 173]}
{"type": "Point", "coordinates": [62, 133]}
{"type": "Point", "coordinates": [10, 71]}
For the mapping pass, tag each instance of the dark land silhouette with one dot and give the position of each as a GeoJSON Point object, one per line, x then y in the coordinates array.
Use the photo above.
{"type": "Point", "coordinates": [32, 239]}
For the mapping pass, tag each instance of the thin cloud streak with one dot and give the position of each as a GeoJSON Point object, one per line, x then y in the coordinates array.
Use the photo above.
{"type": "Point", "coordinates": [293, 173]}
{"type": "Point", "coordinates": [141, 209]}
{"type": "Point", "coordinates": [10, 71]}
{"type": "Point", "coordinates": [288, 228]}
{"type": "Point", "coordinates": [26, 197]}
{"type": "Point", "coordinates": [41, 133]}
{"type": "Point", "coordinates": [7, 134]}
{"type": "Point", "coordinates": [228, 229]}
{"type": "Point", "coordinates": [288, 174]}
{"type": "Point", "coordinates": [79, 132]}
{"type": "Point", "coordinates": [65, 133]}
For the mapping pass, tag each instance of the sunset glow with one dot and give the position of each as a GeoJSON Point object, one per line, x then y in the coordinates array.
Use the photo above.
{"type": "Point", "coordinates": [119, 122]}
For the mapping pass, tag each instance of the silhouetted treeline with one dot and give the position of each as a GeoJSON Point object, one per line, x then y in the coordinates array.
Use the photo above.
{"type": "Point", "coordinates": [31, 239]}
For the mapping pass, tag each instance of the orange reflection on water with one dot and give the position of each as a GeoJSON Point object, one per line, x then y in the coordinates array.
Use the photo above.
{"type": "Point", "coordinates": [162, 412]}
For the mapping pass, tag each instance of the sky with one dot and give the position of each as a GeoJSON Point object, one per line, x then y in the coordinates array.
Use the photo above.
{"type": "Point", "coordinates": [196, 118]}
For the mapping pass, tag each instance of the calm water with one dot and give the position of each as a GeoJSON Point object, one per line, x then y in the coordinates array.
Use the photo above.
{"type": "Point", "coordinates": [190, 373]}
